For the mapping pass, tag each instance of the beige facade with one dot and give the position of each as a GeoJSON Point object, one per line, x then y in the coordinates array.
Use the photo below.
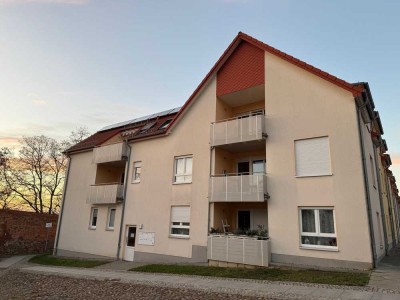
{"type": "Point", "coordinates": [231, 164]}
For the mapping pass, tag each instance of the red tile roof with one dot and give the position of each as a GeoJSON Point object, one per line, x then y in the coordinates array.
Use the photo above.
{"type": "Point", "coordinates": [356, 90]}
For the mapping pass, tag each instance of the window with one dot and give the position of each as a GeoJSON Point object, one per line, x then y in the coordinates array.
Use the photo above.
{"type": "Point", "coordinates": [317, 226]}
{"type": "Point", "coordinates": [180, 221]}
{"type": "Point", "coordinates": [165, 124]}
{"type": "Point", "coordinates": [93, 218]}
{"type": "Point", "coordinates": [137, 171]}
{"type": "Point", "coordinates": [147, 126]}
{"type": "Point", "coordinates": [371, 163]}
{"type": "Point", "coordinates": [111, 218]}
{"type": "Point", "coordinates": [183, 169]}
{"type": "Point", "coordinates": [312, 157]}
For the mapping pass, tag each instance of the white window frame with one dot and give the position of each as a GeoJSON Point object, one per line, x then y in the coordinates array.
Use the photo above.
{"type": "Point", "coordinates": [108, 227]}
{"type": "Point", "coordinates": [91, 217]}
{"type": "Point", "coordinates": [317, 229]}
{"type": "Point", "coordinates": [181, 225]}
{"type": "Point", "coordinates": [185, 174]}
{"type": "Point", "coordinates": [328, 173]}
{"type": "Point", "coordinates": [136, 165]}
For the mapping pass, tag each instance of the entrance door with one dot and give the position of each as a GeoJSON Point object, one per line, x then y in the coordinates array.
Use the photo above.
{"type": "Point", "coordinates": [130, 243]}
{"type": "Point", "coordinates": [244, 219]}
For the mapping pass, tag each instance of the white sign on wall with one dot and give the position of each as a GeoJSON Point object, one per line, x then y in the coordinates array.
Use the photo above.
{"type": "Point", "coordinates": [146, 238]}
{"type": "Point", "coordinates": [49, 225]}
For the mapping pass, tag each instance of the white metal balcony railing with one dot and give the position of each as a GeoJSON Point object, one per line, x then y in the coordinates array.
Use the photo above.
{"type": "Point", "coordinates": [109, 153]}
{"type": "Point", "coordinates": [238, 188]}
{"type": "Point", "coordinates": [237, 130]}
{"type": "Point", "coordinates": [241, 250]}
{"type": "Point", "coordinates": [105, 193]}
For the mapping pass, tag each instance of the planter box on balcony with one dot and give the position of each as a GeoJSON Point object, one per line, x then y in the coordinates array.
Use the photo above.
{"type": "Point", "coordinates": [240, 250]}
{"type": "Point", "coordinates": [237, 130]}
{"type": "Point", "coordinates": [241, 188]}
{"type": "Point", "coordinates": [105, 194]}
{"type": "Point", "coordinates": [110, 153]}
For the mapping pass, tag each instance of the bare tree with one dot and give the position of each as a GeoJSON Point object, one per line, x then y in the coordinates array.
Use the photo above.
{"type": "Point", "coordinates": [35, 178]}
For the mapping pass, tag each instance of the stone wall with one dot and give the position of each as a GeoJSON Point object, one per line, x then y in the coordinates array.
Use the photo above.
{"type": "Point", "coordinates": [24, 232]}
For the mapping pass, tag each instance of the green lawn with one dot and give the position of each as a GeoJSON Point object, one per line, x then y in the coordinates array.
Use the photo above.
{"type": "Point", "coordinates": [275, 274]}
{"type": "Point", "coordinates": [47, 259]}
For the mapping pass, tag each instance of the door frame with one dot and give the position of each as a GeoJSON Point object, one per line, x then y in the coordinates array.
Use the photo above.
{"type": "Point", "coordinates": [126, 240]}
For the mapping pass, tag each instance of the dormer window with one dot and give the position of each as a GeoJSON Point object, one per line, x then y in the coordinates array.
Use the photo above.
{"type": "Point", "coordinates": [165, 124]}
{"type": "Point", "coordinates": [147, 126]}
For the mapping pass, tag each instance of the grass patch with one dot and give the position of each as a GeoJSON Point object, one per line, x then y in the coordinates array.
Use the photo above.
{"type": "Point", "coordinates": [47, 259]}
{"type": "Point", "coordinates": [274, 274]}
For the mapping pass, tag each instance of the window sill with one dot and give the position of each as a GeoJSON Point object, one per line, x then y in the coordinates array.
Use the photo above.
{"type": "Point", "coordinates": [134, 182]}
{"type": "Point", "coordinates": [185, 237]}
{"type": "Point", "coordinates": [306, 176]}
{"type": "Point", "coordinates": [109, 229]}
{"type": "Point", "coordinates": [330, 249]}
{"type": "Point", "coordinates": [92, 228]}
{"type": "Point", "coordinates": [179, 183]}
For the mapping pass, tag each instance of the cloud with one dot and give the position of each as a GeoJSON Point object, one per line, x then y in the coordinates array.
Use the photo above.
{"type": "Point", "coordinates": [9, 141]}
{"type": "Point", "coordinates": [36, 99]}
{"type": "Point", "coordinates": [39, 102]}
{"type": "Point", "coordinates": [69, 2]}
{"type": "Point", "coordinates": [395, 159]}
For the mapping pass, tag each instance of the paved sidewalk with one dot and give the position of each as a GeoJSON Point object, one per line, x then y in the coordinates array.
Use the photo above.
{"type": "Point", "coordinates": [8, 262]}
{"type": "Point", "coordinates": [387, 274]}
{"type": "Point", "coordinates": [280, 290]}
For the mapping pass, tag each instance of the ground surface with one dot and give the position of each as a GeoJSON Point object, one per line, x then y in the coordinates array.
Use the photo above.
{"type": "Point", "coordinates": [19, 285]}
{"type": "Point", "coordinates": [387, 273]}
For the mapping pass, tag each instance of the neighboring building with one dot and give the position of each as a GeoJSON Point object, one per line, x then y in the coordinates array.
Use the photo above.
{"type": "Point", "coordinates": [265, 143]}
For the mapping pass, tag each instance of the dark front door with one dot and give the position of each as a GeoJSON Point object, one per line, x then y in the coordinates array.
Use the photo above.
{"type": "Point", "coordinates": [131, 237]}
{"type": "Point", "coordinates": [244, 219]}
{"type": "Point", "coordinates": [244, 168]}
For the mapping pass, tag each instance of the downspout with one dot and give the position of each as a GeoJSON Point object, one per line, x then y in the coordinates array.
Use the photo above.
{"type": "Point", "coordinates": [378, 177]}
{"type": "Point", "coordinates": [124, 200]}
{"type": "Point", "coordinates": [366, 187]}
{"type": "Point", "coordinates": [390, 195]}
{"type": "Point", "coordinates": [62, 208]}
{"type": "Point", "coordinates": [212, 150]}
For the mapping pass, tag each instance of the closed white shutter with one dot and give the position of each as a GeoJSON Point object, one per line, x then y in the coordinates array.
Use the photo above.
{"type": "Point", "coordinates": [180, 214]}
{"type": "Point", "coordinates": [313, 157]}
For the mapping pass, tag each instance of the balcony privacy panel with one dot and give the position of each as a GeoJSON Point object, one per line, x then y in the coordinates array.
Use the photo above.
{"type": "Point", "coordinates": [109, 153]}
{"type": "Point", "coordinates": [241, 250]}
{"type": "Point", "coordinates": [244, 188]}
{"type": "Point", "coordinates": [105, 194]}
{"type": "Point", "coordinates": [238, 130]}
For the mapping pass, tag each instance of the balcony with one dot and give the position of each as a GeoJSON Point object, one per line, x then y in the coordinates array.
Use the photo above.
{"type": "Point", "coordinates": [110, 193]}
{"type": "Point", "coordinates": [238, 249]}
{"type": "Point", "coordinates": [110, 153]}
{"type": "Point", "coordinates": [238, 130]}
{"type": "Point", "coordinates": [238, 188]}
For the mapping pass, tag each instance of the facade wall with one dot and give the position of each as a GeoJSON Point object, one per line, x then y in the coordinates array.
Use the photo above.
{"type": "Point", "coordinates": [149, 202]}
{"type": "Point", "coordinates": [75, 234]}
{"type": "Point", "coordinates": [301, 105]}
{"type": "Point", "coordinates": [376, 213]}
{"type": "Point", "coordinates": [24, 232]}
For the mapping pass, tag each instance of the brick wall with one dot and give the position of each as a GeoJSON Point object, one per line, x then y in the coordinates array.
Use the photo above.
{"type": "Point", "coordinates": [25, 232]}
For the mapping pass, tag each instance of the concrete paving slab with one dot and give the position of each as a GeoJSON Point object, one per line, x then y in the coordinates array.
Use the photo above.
{"type": "Point", "coordinates": [327, 293]}
{"type": "Point", "coordinates": [301, 290]}
{"type": "Point", "coordinates": [354, 294]}
{"type": "Point", "coordinates": [381, 296]}
{"type": "Point", "coordinates": [8, 262]}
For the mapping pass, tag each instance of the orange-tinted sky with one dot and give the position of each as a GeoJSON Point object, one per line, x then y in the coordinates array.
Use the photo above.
{"type": "Point", "coordinates": [67, 63]}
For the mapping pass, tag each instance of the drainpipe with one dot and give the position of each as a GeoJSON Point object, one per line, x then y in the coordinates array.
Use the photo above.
{"type": "Point", "coordinates": [62, 208]}
{"type": "Point", "coordinates": [378, 177]}
{"type": "Point", "coordinates": [124, 200]}
{"type": "Point", "coordinates": [366, 187]}
{"type": "Point", "coordinates": [391, 213]}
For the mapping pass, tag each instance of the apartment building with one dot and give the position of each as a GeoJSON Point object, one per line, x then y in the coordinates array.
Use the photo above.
{"type": "Point", "coordinates": [270, 160]}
